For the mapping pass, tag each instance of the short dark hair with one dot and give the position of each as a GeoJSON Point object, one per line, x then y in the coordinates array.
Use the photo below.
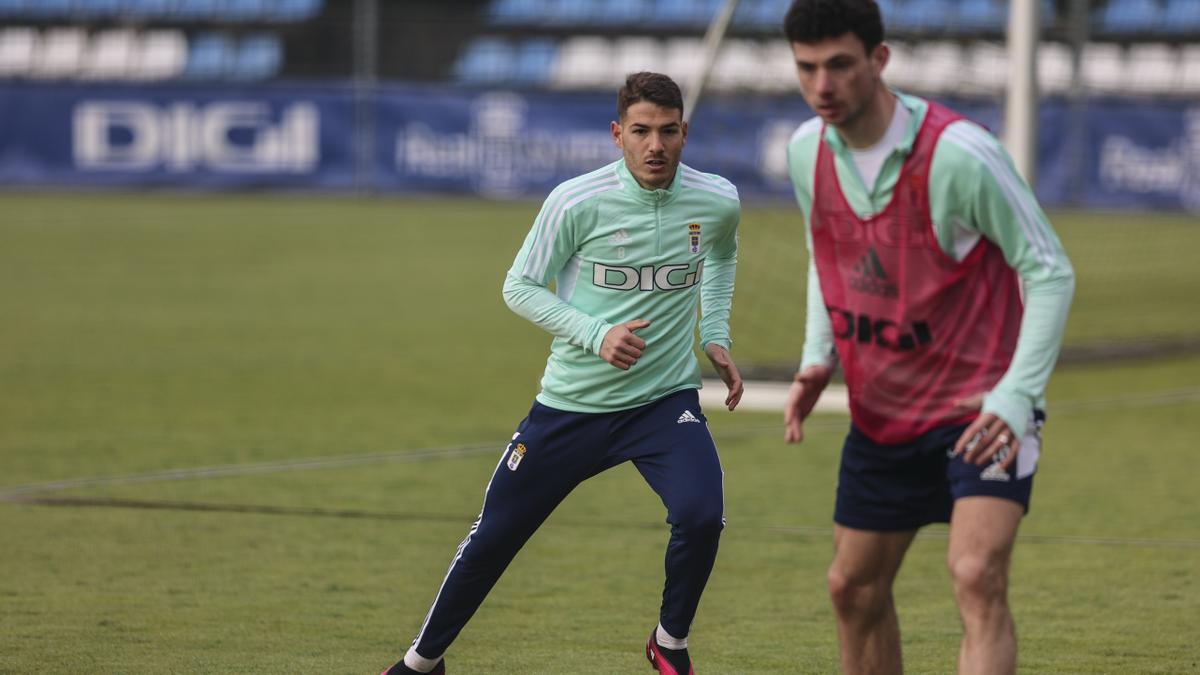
{"type": "Point", "coordinates": [809, 21]}
{"type": "Point", "coordinates": [653, 87]}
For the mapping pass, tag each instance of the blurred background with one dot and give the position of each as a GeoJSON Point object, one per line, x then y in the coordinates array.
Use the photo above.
{"type": "Point", "coordinates": [508, 97]}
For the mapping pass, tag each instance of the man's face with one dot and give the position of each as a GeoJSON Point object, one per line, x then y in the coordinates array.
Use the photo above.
{"type": "Point", "coordinates": [652, 138]}
{"type": "Point", "coordinates": [838, 77]}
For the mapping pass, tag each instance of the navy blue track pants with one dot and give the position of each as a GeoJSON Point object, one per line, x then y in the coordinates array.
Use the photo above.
{"type": "Point", "coordinates": [552, 452]}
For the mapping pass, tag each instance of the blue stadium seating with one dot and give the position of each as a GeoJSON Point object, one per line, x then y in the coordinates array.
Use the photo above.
{"type": "Point", "coordinates": [1182, 16]}
{"type": "Point", "coordinates": [258, 57]}
{"type": "Point", "coordinates": [210, 56]}
{"type": "Point", "coordinates": [148, 9]}
{"type": "Point", "coordinates": [570, 12]}
{"type": "Point", "coordinates": [982, 15]}
{"type": "Point", "coordinates": [620, 12]}
{"type": "Point", "coordinates": [1130, 16]}
{"type": "Point", "coordinates": [923, 15]}
{"type": "Point", "coordinates": [683, 13]}
{"type": "Point", "coordinates": [486, 60]}
{"type": "Point", "coordinates": [761, 14]}
{"type": "Point", "coordinates": [245, 10]}
{"type": "Point", "coordinates": [95, 9]}
{"type": "Point", "coordinates": [517, 12]}
{"type": "Point", "coordinates": [294, 10]}
{"type": "Point", "coordinates": [534, 62]}
{"type": "Point", "coordinates": [47, 8]}
{"type": "Point", "coordinates": [197, 10]}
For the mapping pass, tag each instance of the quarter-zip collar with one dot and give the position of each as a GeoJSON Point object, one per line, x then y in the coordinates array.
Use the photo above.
{"type": "Point", "coordinates": [632, 188]}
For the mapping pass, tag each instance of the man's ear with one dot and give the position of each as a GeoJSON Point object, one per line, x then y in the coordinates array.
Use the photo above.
{"type": "Point", "coordinates": [881, 56]}
{"type": "Point", "coordinates": [616, 134]}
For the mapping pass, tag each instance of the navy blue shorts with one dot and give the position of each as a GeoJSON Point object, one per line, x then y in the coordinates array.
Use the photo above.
{"type": "Point", "coordinates": [905, 486]}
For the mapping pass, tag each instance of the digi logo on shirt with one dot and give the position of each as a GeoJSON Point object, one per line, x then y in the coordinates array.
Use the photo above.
{"type": "Point", "coordinates": [647, 277]}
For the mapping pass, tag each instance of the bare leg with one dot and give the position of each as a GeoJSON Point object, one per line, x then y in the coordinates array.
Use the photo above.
{"type": "Point", "coordinates": [860, 584]}
{"type": "Point", "coordinates": [982, 531]}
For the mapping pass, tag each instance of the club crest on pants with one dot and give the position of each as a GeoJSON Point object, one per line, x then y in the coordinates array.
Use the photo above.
{"type": "Point", "coordinates": [514, 457]}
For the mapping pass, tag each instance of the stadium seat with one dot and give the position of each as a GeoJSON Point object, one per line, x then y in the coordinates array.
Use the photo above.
{"type": "Point", "coordinates": [778, 68]}
{"type": "Point", "coordinates": [986, 71]}
{"type": "Point", "coordinates": [902, 71]}
{"type": "Point", "coordinates": [1182, 16]}
{"type": "Point", "coordinates": [924, 15]}
{"type": "Point", "coordinates": [941, 66]}
{"type": "Point", "coordinates": [1104, 68]}
{"type": "Point", "coordinates": [621, 12]}
{"type": "Point", "coordinates": [61, 51]}
{"type": "Point", "coordinates": [293, 11]}
{"type": "Point", "coordinates": [12, 7]}
{"type": "Point", "coordinates": [258, 57]}
{"type": "Point", "coordinates": [97, 9]}
{"type": "Point", "coordinates": [1124, 17]}
{"type": "Point", "coordinates": [517, 12]}
{"type": "Point", "coordinates": [634, 54]}
{"type": "Point", "coordinates": [162, 55]}
{"type": "Point", "coordinates": [1152, 68]}
{"type": "Point", "coordinates": [18, 46]}
{"type": "Point", "coordinates": [147, 9]}
{"type": "Point", "coordinates": [577, 13]}
{"type": "Point", "coordinates": [534, 62]}
{"type": "Point", "coordinates": [47, 9]}
{"type": "Point", "coordinates": [1054, 69]}
{"type": "Point", "coordinates": [982, 15]}
{"type": "Point", "coordinates": [681, 58]}
{"type": "Point", "coordinates": [210, 56]}
{"type": "Point", "coordinates": [109, 56]}
{"type": "Point", "coordinates": [739, 66]}
{"type": "Point", "coordinates": [245, 10]}
{"type": "Point", "coordinates": [764, 15]}
{"type": "Point", "coordinates": [197, 10]}
{"type": "Point", "coordinates": [583, 62]}
{"type": "Point", "coordinates": [683, 13]}
{"type": "Point", "coordinates": [485, 60]}
{"type": "Point", "coordinates": [1189, 70]}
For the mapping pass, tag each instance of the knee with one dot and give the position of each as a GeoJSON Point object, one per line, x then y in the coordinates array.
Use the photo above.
{"type": "Point", "coordinates": [856, 596]}
{"type": "Point", "coordinates": [700, 519]}
{"type": "Point", "coordinates": [978, 579]}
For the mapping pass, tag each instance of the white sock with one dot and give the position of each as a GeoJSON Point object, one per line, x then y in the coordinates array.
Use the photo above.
{"type": "Point", "coordinates": [665, 639]}
{"type": "Point", "coordinates": [419, 663]}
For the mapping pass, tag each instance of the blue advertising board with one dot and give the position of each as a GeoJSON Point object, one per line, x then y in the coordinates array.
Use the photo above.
{"type": "Point", "coordinates": [505, 144]}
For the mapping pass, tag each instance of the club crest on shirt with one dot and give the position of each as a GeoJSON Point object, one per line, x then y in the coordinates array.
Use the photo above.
{"type": "Point", "coordinates": [515, 457]}
{"type": "Point", "coordinates": [694, 237]}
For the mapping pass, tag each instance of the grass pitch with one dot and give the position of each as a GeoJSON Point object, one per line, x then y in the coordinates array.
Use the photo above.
{"type": "Point", "coordinates": [151, 334]}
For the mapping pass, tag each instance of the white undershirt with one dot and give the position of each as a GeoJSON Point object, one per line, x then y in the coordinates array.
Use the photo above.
{"type": "Point", "coordinates": [869, 162]}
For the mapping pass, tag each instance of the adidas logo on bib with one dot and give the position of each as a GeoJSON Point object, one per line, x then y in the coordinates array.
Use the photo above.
{"type": "Point", "coordinates": [687, 416]}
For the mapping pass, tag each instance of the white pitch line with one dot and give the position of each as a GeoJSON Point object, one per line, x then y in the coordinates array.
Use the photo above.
{"type": "Point", "coordinates": [760, 396]}
{"type": "Point", "coordinates": [770, 396]}
{"type": "Point", "coordinates": [280, 466]}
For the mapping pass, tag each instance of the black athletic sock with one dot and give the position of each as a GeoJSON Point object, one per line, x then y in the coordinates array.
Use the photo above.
{"type": "Point", "coordinates": [678, 658]}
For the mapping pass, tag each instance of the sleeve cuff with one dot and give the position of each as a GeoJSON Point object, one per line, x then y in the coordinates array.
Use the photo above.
{"type": "Point", "coordinates": [597, 341]}
{"type": "Point", "coordinates": [1014, 410]}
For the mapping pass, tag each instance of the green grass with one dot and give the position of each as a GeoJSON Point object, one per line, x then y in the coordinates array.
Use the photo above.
{"type": "Point", "coordinates": [149, 333]}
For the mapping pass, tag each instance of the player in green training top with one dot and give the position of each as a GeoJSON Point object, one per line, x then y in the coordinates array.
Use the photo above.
{"type": "Point", "coordinates": [634, 250]}
{"type": "Point", "coordinates": [922, 237]}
